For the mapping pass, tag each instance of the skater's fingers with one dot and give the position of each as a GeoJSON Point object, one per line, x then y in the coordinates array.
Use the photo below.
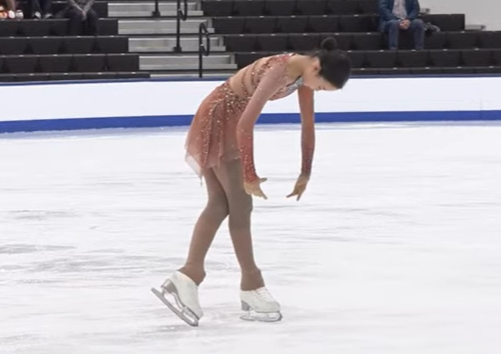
{"type": "Point", "coordinates": [295, 191]}
{"type": "Point", "coordinates": [259, 193]}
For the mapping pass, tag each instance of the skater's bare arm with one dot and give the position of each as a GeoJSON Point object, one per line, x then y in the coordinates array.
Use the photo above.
{"type": "Point", "coordinates": [306, 106]}
{"type": "Point", "coordinates": [272, 81]}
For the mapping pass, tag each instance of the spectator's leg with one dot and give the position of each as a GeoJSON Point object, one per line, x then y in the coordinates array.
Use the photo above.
{"type": "Point", "coordinates": [417, 29]}
{"type": "Point", "coordinates": [11, 5]}
{"type": "Point", "coordinates": [75, 22]}
{"type": "Point", "coordinates": [47, 8]}
{"type": "Point", "coordinates": [92, 23]}
{"type": "Point", "coordinates": [392, 28]}
{"type": "Point", "coordinates": [34, 8]}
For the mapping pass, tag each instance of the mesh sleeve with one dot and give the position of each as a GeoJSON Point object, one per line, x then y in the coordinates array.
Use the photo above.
{"type": "Point", "coordinates": [273, 79]}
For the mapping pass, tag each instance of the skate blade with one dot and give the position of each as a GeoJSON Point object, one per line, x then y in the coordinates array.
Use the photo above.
{"type": "Point", "coordinates": [262, 317]}
{"type": "Point", "coordinates": [192, 320]}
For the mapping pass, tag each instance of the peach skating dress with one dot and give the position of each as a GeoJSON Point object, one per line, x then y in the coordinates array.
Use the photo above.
{"type": "Point", "coordinates": [212, 136]}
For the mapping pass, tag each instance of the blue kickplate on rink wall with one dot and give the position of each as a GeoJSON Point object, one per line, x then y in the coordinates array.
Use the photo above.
{"type": "Point", "coordinates": [288, 118]}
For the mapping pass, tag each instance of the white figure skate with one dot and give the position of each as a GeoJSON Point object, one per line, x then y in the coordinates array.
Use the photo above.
{"type": "Point", "coordinates": [180, 294]}
{"type": "Point", "coordinates": [259, 306]}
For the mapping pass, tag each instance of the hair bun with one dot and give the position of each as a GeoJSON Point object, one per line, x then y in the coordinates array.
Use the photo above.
{"type": "Point", "coordinates": [329, 44]}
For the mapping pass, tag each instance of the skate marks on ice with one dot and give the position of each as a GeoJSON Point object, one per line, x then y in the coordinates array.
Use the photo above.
{"type": "Point", "coordinates": [394, 250]}
{"type": "Point", "coordinates": [20, 248]}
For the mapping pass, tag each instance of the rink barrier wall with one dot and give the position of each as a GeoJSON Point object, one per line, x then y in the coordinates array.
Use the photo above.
{"type": "Point", "coordinates": [163, 103]}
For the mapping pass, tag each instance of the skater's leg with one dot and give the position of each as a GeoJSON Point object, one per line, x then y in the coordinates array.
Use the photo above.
{"type": "Point", "coordinates": [180, 291]}
{"type": "Point", "coordinates": [230, 176]}
{"type": "Point", "coordinates": [206, 228]}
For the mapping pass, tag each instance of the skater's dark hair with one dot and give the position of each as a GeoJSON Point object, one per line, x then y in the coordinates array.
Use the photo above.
{"type": "Point", "coordinates": [335, 65]}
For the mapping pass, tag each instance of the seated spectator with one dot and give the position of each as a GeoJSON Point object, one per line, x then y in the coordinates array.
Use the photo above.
{"type": "Point", "coordinates": [401, 15]}
{"type": "Point", "coordinates": [8, 10]}
{"type": "Point", "coordinates": [83, 18]}
{"type": "Point", "coordinates": [40, 9]}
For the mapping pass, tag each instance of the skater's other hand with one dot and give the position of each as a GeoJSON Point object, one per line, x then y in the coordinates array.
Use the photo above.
{"type": "Point", "coordinates": [300, 186]}
{"type": "Point", "coordinates": [254, 188]}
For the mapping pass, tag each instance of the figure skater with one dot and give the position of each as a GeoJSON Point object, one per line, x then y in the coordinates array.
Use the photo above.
{"type": "Point", "coordinates": [219, 147]}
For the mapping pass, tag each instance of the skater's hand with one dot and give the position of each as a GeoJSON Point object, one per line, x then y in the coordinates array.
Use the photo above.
{"type": "Point", "coordinates": [254, 188]}
{"type": "Point", "coordinates": [300, 186]}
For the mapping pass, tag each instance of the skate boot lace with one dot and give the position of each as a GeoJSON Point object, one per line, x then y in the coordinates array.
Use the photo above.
{"type": "Point", "coordinates": [264, 295]}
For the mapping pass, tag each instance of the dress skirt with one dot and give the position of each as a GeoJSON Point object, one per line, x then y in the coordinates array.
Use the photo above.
{"type": "Point", "coordinates": [212, 137]}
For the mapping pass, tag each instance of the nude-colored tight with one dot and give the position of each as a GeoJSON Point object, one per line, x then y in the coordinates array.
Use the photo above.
{"type": "Point", "coordinates": [226, 197]}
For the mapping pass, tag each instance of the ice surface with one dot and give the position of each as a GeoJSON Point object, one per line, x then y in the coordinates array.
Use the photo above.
{"type": "Point", "coordinates": [395, 248]}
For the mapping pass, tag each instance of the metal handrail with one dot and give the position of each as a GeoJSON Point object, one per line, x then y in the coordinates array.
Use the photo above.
{"type": "Point", "coordinates": [156, 12]}
{"type": "Point", "coordinates": [180, 15]}
{"type": "Point", "coordinates": [202, 50]}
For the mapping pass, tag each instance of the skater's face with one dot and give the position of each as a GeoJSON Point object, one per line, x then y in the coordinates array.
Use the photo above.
{"type": "Point", "coordinates": [313, 80]}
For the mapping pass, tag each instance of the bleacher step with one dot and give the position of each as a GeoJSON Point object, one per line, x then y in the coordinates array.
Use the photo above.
{"type": "Point", "coordinates": [219, 74]}
{"type": "Point", "coordinates": [147, 60]}
{"type": "Point", "coordinates": [145, 9]}
{"type": "Point", "coordinates": [162, 26]}
{"type": "Point", "coordinates": [193, 68]}
{"type": "Point", "coordinates": [186, 62]}
{"type": "Point", "coordinates": [167, 44]}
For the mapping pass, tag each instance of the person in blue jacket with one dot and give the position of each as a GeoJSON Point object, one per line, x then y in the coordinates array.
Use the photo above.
{"type": "Point", "coordinates": [401, 15]}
